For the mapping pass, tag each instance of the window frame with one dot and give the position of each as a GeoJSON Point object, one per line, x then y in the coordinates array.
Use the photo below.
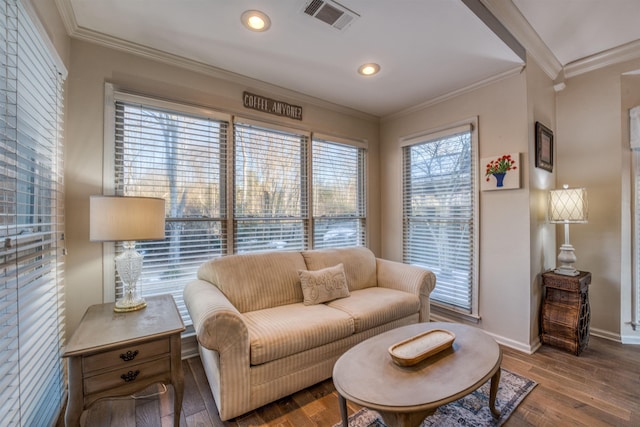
{"type": "Point", "coordinates": [470, 124]}
{"type": "Point", "coordinates": [362, 193]}
{"type": "Point", "coordinates": [305, 140]}
{"type": "Point", "coordinates": [112, 95]}
{"type": "Point", "coordinates": [635, 226]}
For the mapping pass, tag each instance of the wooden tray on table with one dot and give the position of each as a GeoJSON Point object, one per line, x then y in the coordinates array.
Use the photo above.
{"type": "Point", "coordinates": [417, 348]}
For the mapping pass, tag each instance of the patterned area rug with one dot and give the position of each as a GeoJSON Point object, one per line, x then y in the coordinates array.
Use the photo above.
{"type": "Point", "coordinates": [472, 410]}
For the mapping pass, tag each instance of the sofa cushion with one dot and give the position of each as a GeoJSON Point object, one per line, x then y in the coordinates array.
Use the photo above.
{"type": "Point", "coordinates": [285, 330]}
{"type": "Point", "coordinates": [256, 281]}
{"type": "Point", "coordinates": [373, 307]}
{"type": "Point", "coordinates": [323, 285]}
{"type": "Point", "coordinates": [359, 264]}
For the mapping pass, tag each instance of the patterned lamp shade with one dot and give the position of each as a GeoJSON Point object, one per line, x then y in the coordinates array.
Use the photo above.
{"type": "Point", "coordinates": [568, 205]}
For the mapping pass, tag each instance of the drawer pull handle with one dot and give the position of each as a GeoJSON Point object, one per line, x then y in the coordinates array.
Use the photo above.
{"type": "Point", "coordinates": [129, 355]}
{"type": "Point", "coordinates": [130, 376]}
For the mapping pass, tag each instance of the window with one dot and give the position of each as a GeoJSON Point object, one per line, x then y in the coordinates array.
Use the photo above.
{"type": "Point", "coordinates": [32, 380]}
{"type": "Point", "coordinates": [238, 191]}
{"type": "Point", "coordinates": [270, 192]}
{"type": "Point", "coordinates": [439, 213]}
{"type": "Point", "coordinates": [179, 156]}
{"type": "Point", "coordinates": [339, 196]}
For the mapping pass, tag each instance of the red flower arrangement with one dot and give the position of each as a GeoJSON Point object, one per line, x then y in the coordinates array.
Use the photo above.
{"type": "Point", "coordinates": [502, 164]}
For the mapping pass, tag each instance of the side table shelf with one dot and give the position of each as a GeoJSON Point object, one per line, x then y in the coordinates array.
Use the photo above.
{"type": "Point", "coordinates": [566, 314]}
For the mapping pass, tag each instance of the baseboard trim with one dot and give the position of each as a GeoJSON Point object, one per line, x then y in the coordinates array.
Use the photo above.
{"type": "Point", "coordinates": [507, 342]}
{"type": "Point", "coordinates": [607, 335]}
{"type": "Point", "coordinates": [516, 345]}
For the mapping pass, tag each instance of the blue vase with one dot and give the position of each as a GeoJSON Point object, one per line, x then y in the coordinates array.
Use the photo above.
{"type": "Point", "coordinates": [499, 178]}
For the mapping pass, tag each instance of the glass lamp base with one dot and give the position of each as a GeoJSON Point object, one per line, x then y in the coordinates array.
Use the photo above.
{"type": "Point", "coordinates": [129, 267]}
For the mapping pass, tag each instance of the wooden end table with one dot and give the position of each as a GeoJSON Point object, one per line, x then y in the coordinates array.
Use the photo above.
{"type": "Point", "coordinates": [565, 313]}
{"type": "Point", "coordinates": [404, 396]}
{"type": "Point", "coordinates": [117, 354]}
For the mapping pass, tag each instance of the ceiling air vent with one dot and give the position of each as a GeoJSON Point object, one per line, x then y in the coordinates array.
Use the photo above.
{"type": "Point", "coordinates": [330, 12]}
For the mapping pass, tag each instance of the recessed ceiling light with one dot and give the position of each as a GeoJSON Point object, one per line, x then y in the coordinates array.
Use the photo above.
{"type": "Point", "coordinates": [369, 69]}
{"type": "Point", "coordinates": [255, 20]}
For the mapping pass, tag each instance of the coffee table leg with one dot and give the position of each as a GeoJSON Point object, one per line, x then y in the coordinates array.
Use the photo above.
{"type": "Point", "coordinates": [343, 410]}
{"type": "Point", "coordinates": [495, 382]}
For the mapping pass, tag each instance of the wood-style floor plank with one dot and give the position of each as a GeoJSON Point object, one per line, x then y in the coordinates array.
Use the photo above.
{"type": "Point", "coordinates": [598, 388]}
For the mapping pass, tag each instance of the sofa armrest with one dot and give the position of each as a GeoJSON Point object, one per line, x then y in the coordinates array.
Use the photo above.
{"type": "Point", "coordinates": [219, 325]}
{"type": "Point", "coordinates": [407, 278]}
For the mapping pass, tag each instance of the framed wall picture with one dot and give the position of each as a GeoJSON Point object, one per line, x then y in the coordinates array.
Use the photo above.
{"type": "Point", "coordinates": [501, 172]}
{"type": "Point", "coordinates": [544, 147]}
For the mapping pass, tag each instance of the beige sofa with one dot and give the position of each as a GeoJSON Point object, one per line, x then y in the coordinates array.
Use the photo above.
{"type": "Point", "coordinates": [258, 339]}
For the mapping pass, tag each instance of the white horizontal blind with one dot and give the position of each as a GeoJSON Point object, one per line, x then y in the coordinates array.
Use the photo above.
{"type": "Point", "coordinates": [181, 158]}
{"type": "Point", "coordinates": [438, 214]}
{"type": "Point", "coordinates": [270, 189]}
{"type": "Point", "coordinates": [339, 194]}
{"type": "Point", "coordinates": [31, 225]}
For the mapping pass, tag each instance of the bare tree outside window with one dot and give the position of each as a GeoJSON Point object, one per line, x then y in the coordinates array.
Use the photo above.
{"type": "Point", "coordinates": [439, 214]}
{"type": "Point", "coordinates": [178, 158]}
{"type": "Point", "coordinates": [270, 210]}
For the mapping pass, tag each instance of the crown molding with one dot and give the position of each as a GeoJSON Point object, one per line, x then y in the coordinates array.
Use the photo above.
{"type": "Point", "coordinates": [603, 59]}
{"type": "Point", "coordinates": [66, 14]}
{"type": "Point", "coordinates": [512, 19]}
{"type": "Point", "coordinates": [455, 93]}
{"type": "Point", "coordinates": [81, 33]}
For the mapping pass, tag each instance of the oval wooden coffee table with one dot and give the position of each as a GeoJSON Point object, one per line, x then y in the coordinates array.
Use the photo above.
{"type": "Point", "coordinates": [404, 396]}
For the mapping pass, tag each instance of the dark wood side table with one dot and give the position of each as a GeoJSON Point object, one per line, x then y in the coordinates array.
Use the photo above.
{"type": "Point", "coordinates": [117, 354]}
{"type": "Point", "coordinates": [565, 312]}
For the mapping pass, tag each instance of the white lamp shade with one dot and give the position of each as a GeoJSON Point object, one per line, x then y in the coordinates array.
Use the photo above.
{"type": "Point", "coordinates": [114, 219]}
{"type": "Point", "coordinates": [568, 205]}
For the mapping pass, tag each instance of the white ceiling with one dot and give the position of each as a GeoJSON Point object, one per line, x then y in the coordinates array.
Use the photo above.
{"type": "Point", "coordinates": [426, 48]}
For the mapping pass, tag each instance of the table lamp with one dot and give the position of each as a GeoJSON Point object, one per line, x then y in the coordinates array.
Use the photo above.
{"type": "Point", "coordinates": [127, 219]}
{"type": "Point", "coordinates": [567, 206]}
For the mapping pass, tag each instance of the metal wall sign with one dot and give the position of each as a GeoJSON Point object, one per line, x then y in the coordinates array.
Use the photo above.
{"type": "Point", "coordinates": [271, 106]}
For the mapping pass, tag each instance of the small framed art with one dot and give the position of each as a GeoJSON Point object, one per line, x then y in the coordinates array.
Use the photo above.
{"type": "Point", "coordinates": [544, 147]}
{"type": "Point", "coordinates": [501, 172]}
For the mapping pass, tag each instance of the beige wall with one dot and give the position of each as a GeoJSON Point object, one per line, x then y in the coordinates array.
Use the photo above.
{"type": "Point", "coordinates": [505, 271]}
{"type": "Point", "coordinates": [92, 66]}
{"type": "Point", "coordinates": [593, 152]}
{"type": "Point", "coordinates": [47, 13]}
{"type": "Point", "coordinates": [541, 108]}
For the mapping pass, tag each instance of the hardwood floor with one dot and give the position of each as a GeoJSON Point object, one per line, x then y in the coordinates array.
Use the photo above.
{"type": "Point", "coordinates": [601, 387]}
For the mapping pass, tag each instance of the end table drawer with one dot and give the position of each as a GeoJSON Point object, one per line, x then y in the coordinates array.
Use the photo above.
{"type": "Point", "coordinates": [127, 375]}
{"type": "Point", "coordinates": [125, 356]}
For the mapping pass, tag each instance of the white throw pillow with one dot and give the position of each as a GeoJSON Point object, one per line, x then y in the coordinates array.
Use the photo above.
{"type": "Point", "coordinates": [323, 285]}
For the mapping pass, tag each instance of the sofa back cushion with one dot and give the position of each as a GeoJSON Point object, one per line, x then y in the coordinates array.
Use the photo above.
{"type": "Point", "coordinates": [256, 281]}
{"type": "Point", "coordinates": [359, 264]}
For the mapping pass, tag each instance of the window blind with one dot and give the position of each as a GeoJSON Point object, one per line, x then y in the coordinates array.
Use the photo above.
{"type": "Point", "coordinates": [181, 158]}
{"type": "Point", "coordinates": [32, 384]}
{"type": "Point", "coordinates": [270, 189]}
{"type": "Point", "coordinates": [339, 194]}
{"type": "Point", "coordinates": [438, 214]}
